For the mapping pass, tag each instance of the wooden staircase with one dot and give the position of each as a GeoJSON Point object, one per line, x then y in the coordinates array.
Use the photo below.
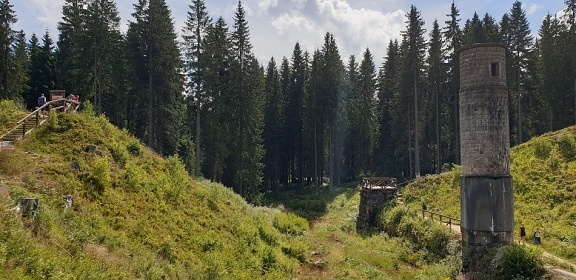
{"type": "Point", "coordinates": [35, 119]}
{"type": "Point", "coordinates": [23, 128]}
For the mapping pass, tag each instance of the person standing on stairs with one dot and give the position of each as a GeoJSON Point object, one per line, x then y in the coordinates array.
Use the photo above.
{"type": "Point", "coordinates": [42, 101]}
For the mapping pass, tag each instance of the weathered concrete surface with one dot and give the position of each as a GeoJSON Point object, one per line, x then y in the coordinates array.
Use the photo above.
{"type": "Point", "coordinates": [487, 209]}
{"type": "Point", "coordinates": [487, 201]}
{"type": "Point", "coordinates": [371, 202]}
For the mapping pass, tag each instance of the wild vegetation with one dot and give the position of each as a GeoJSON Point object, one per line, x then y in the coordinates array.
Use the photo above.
{"type": "Point", "coordinates": [201, 93]}
{"type": "Point", "coordinates": [134, 214]}
{"type": "Point", "coordinates": [544, 176]}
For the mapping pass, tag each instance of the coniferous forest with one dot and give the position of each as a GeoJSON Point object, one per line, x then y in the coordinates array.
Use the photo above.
{"type": "Point", "coordinates": [310, 117]}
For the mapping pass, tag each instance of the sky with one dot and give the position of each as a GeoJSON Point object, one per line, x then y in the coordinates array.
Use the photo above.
{"type": "Point", "coordinates": [277, 25]}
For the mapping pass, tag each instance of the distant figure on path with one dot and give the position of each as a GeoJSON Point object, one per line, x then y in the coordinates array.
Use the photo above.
{"type": "Point", "coordinates": [41, 100]}
{"type": "Point", "coordinates": [522, 235]}
{"type": "Point", "coordinates": [537, 239]}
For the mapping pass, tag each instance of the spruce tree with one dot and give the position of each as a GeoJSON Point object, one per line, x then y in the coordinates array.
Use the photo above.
{"type": "Point", "coordinates": [273, 122]}
{"type": "Point", "coordinates": [18, 82]}
{"type": "Point", "coordinates": [363, 120]}
{"type": "Point", "coordinates": [384, 157]}
{"type": "Point", "coordinates": [7, 38]}
{"type": "Point", "coordinates": [413, 49]}
{"type": "Point", "coordinates": [101, 48]}
{"type": "Point", "coordinates": [453, 38]}
{"type": "Point", "coordinates": [519, 48]}
{"type": "Point", "coordinates": [244, 166]}
{"type": "Point", "coordinates": [155, 59]}
{"type": "Point", "coordinates": [437, 76]}
{"type": "Point", "coordinates": [293, 114]}
{"type": "Point", "coordinates": [195, 31]}
{"type": "Point", "coordinates": [71, 74]}
{"type": "Point", "coordinates": [218, 78]}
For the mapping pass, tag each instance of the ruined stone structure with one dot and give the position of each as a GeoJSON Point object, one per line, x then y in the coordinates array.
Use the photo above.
{"type": "Point", "coordinates": [487, 209]}
{"type": "Point", "coordinates": [375, 193]}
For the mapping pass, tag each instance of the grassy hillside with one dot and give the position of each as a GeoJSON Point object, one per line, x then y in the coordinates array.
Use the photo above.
{"type": "Point", "coordinates": [544, 174]}
{"type": "Point", "coordinates": [135, 215]}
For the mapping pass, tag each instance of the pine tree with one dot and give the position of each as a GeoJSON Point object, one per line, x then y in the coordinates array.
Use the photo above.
{"type": "Point", "coordinates": [71, 74]}
{"type": "Point", "coordinates": [363, 120]}
{"type": "Point", "coordinates": [437, 75]}
{"type": "Point", "coordinates": [273, 122]}
{"type": "Point", "coordinates": [7, 38]}
{"type": "Point", "coordinates": [385, 161]}
{"type": "Point", "coordinates": [330, 99]}
{"type": "Point", "coordinates": [413, 48]}
{"type": "Point", "coordinates": [244, 167]}
{"type": "Point", "coordinates": [195, 31]}
{"type": "Point", "coordinates": [293, 114]}
{"type": "Point", "coordinates": [18, 83]}
{"type": "Point", "coordinates": [519, 48]}
{"type": "Point", "coordinates": [453, 38]}
{"type": "Point", "coordinates": [313, 132]}
{"type": "Point", "coordinates": [218, 78]}
{"type": "Point", "coordinates": [155, 58]}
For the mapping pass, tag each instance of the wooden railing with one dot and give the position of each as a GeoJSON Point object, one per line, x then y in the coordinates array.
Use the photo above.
{"type": "Point", "coordinates": [378, 183]}
{"type": "Point", "coordinates": [449, 221]}
{"type": "Point", "coordinates": [62, 105]}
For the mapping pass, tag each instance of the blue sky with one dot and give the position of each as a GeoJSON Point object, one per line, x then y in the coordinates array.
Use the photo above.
{"type": "Point", "coordinates": [276, 25]}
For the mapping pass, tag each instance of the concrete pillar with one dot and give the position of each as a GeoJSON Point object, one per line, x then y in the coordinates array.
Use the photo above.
{"type": "Point", "coordinates": [487, 201]}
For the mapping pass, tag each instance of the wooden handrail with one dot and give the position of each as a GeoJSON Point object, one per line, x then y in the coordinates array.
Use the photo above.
{"type": "Point", "coordinates": [64, 101]}
{"type": "Point", "coordinates": [448, 223]}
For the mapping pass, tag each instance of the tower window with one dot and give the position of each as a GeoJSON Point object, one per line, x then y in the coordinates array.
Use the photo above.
{"type": "Point", "coordinates": [495, 69]}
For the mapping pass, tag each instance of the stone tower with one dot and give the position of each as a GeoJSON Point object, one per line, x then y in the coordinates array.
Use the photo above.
{"type": "Point", "coordinates": [487, 201]}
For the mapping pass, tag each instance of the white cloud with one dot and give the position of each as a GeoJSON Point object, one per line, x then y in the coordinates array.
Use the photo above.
{"type": "Point", "coordinates": [266, 4]}
{"type": "Point", "coordinates": [277, 28]}
{"type": "Point", "coordinates": [532, 9]}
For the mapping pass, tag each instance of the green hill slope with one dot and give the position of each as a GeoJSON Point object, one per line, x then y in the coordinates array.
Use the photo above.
{"type": "Point", "coordinates": [135, 215]}
{"type": "Point", "coordinates": [544, 174]}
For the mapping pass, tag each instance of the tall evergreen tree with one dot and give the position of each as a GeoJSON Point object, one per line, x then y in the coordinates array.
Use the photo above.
{"type": "Point", "coordinates": [437, 76]}
{"type": "Point", "coordinates": [451, 138]}
{"type": "Point", "coordinates": [245, 165]}
{"type": "Point", "coordinates": [286, 144]}
{"type": "Point", "coordinates": [413, 51]}
{"type": "Point", "coordinates": [155, 58]}
{"type": "Point", "coordinates": [195, 31]}
{"type": "Point", "coordinates": [71, 74]}
{"type": "Point", "coordinates": [519, 49]}
{"type": "Point", "coordinates": [18, 82]}
{"type": "Point", "coordinates": [7, 38]}
{"type": "Point", "coordinates": [293, 114]}
{"type": "Point", "coordinates": [363, 119]}
{"type": "Point", "coordinates": [385, 160]}
{"type": "Point", "coordinates": [331, 102]}
{"type": "Point", "coordinates": [101, 46]}
{"type": "Point", "coordinates": [218, 78]}
{"type": "Point", "coordinates": [273, 122]}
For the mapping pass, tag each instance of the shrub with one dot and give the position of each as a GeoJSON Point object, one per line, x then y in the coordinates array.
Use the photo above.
{"type": "Point", "coordinates": [290, 223]}
{"type": "Point", "coordinates": [542, 148]}
{"type": "Point", "coordinates": [519, 262]}
{"type": "Point", "coordinates": [99, 176]}
{"type": "Point", "coordinates": [567, 146]}
{"type": "Point", "coordinates": [134, 148]}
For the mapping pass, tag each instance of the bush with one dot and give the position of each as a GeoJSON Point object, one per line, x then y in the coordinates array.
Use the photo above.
{"type": "Point", "coordinates": [99, 177]}
{"type": "Point", "coordinates": [289, 223]}
{"type": "Point", "coordinates": [567, 146]}
{"type": "Point", "coordinates": [542, 148]}
{"type": "Point", "coordinates": [518, 262]}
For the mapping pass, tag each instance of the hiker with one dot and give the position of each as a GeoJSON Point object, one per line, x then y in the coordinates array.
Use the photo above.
{"type": "Point", "coordinates": [522, 235]}
{"type": "Point", "coordinates": [537, 237]}
{"type": "Point", "coordinates": [41, 100]}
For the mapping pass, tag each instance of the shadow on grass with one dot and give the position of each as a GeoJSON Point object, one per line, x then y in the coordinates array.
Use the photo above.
{"type": "Point", "coordinates": [310, 202]}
